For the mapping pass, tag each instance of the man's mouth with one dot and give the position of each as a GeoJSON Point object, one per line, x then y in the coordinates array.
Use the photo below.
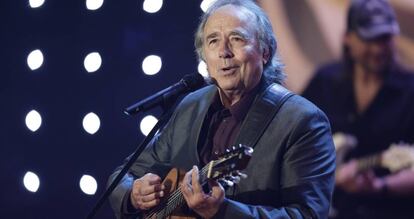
{"type": "Point", "coordinates": [229, 70]}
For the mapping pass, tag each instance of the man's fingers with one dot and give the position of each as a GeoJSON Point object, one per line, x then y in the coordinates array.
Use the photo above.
{"type": "Point", "coordinates": [194, 181]}
{"type": "Point", "coordinates": [147, 205]}
{"type": "Point", "coordinates": [192, 190]}
{"type": "Point", "coordinates": [186, 187]}
{"type": "Point", "coordinates": [203, 204]}
{"type": "Point", "coordinates": [152, 196]}
{"type": "Point", "coordinates": [145, 202]}
{"type": "Point", "coordinates": [147, 190]}
{"type": "Point", "coordinates": [150, 183]}
{"type": "Point", "coordinates": [186, 190]}
{"type": "Point", "coordinates": [147, 197]}
{"type": "Point", "coordinates": [151, 179]}
{"type": "Point", "coordinates": [217, 191]}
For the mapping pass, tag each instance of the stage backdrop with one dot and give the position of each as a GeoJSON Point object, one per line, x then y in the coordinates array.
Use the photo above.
{"type": "Point", "coordinates": [62, 124]}
{"type": "Point", "coordinates": [310, 33]}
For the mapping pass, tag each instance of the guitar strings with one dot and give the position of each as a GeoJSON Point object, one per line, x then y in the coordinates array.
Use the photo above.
{"type": "Point", "coordinates": [175, 198]}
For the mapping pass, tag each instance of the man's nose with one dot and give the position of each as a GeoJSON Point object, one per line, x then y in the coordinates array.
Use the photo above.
{"type": "Point", "coordinates": [381, 44]}
{"type": "Point", "coordinates": [225, 51]}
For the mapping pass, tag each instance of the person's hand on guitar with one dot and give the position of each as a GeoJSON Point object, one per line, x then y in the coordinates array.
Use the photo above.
{"type": "Point", "coordinates": [147, 191]}
{"type": "Point", "coordinates": [206, 205]}
{"type": "Point", "coordinates": [350, 179]}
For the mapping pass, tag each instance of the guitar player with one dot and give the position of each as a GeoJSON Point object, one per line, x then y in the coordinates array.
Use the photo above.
{"type": "Point", "coordinates": [291, 171]}
{"type": "Point", "coordinates": [369, 96]}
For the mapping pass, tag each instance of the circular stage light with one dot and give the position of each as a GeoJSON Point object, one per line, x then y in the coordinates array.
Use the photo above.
{"type": "Point", "coordinates": [35, 59]}
{"type": "Point", "coordinates": [94, 4]}
{"type": "Point", "coordinates": [152, 6]}
{"type": "Point", "coordinates": [36, 3]}
{"type": "Point", "coordinates": [31, 181]}
{"type": "Point", "coordinates": [202, 69]}
{"type": "Point", "coordinates": [151, 65]}
{"type": "Point", "coordinates": [88, 184]}
{"type": "Point", "coordinates": [33, 120]}
{"type": "Point", "coordinates": [91, 123]}
{"type": "Point", "coordinates": [205, 4]}
{"type": "Point", "coordinates": [92, 62]}
{"type": "Point", "coordinates": [147, 123]}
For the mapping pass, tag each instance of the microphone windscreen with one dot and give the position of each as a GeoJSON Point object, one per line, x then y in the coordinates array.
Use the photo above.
{"type": "Point", "coordinates": [193, 81]}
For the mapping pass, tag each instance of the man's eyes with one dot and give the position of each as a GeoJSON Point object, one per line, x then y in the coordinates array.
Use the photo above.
{"type": "Point", "coordinates": [238, 39]}
{"type": "Point", "coordinates": [212, 41]}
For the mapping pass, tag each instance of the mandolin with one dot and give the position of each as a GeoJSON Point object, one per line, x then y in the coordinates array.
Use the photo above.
{"type": "Point", "coordinates": [225, 169]}
{"type": "Point", "coordinates": [395, 158]}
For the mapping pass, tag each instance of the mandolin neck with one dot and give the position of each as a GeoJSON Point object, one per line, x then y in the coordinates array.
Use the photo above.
{"type": "Point", "coordinates": [369, 162]}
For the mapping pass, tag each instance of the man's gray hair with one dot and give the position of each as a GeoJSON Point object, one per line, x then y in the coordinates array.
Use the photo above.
{"type": "Point", "coordinates": [273, 69]}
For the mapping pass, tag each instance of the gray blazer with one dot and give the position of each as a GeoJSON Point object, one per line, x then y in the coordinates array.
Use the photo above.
{"type": "Point", "coordinates": [290, 174]}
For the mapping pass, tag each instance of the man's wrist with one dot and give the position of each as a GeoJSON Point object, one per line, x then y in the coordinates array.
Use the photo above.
{"type": "Point", "coordinates": [384, 190]}
{"type": "Point", "coordinates": [221, 210]}
{"type": "Point", "coordinates": [128, 207]}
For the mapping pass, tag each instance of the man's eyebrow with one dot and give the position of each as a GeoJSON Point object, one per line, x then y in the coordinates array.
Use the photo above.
{"type": "Point", "coordinates": [240, 33]}
{"type": "Point", "coordinates": [211, 35]}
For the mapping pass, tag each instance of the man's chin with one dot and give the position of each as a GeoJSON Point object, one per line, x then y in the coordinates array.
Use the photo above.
{"type": "Point", "coordinates": [227, 87]}
{"type": "Point", "coordinates": [379, 68]}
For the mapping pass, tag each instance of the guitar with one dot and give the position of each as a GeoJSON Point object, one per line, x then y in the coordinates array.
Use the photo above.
{"type": "Point", "coordinates": [395, 158]}
{"type": "Point", "coordinates": [226, 168]}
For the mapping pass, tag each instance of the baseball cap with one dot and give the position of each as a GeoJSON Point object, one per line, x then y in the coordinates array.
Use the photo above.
{"type": "Point", "coordinates": [372, 18]}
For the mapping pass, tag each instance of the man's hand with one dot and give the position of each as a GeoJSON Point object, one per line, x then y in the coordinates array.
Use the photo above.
{"type": "Point", "coordinates": [352, 181]}
{"type": "Point", "coordinates": [206, 205]}
{"type": "Point", "coordinates": [147, 191]}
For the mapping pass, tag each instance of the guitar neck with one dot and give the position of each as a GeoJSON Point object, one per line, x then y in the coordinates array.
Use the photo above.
{"type": "Point", "coordinates": [369, 162]}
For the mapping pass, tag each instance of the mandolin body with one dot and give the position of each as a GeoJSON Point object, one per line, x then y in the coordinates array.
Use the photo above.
{"type": "Point", "coordinates": [171, 183]}
{"type": "Point", "coordinates": [173, 205]}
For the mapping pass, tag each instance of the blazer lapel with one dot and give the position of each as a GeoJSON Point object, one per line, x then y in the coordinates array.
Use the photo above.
{"type": "Point", "coordinates": [202, 110]}
{"type": "Point", "coordinates": [263, 109]}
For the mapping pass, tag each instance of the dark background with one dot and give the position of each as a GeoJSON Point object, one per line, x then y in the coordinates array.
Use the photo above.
{"type": "Point", "coordinates": [61, 90]}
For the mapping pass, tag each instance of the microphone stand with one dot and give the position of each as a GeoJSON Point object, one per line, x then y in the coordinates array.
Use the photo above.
{"type": "Point", "coordinates": [164, 118]}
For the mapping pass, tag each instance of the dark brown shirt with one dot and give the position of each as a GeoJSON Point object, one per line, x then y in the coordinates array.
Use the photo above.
{"type": "Point", "coordinates": [224, 125]}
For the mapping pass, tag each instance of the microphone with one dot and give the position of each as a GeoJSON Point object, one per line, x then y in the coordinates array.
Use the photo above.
{"type": "Point", "coordinates": [188, 83]}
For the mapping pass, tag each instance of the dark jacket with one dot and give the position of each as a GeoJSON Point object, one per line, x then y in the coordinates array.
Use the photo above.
{"type": "Point", "coordinates": [290, 174]}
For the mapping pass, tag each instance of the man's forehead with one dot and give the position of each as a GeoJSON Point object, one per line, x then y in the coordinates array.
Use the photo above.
{"type": "Point", "coordinates": [232, 10]}
{"type": "Point", "coordinates": [237, 19]}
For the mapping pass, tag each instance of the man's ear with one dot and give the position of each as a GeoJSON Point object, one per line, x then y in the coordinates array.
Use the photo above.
{"type": "Point", "coordinates": [346, 40]}
{"type": "Point", "coordinates": [266, 56]}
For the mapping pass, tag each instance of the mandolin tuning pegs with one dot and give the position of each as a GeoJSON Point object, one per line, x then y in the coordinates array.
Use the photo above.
{"type": "Point", "coordinates": [226, 183]}
{"type": "Point", "coordinates": [229, 183]}
{"type": "Point", "coordinates": [241, 175]}
{"type": "Point", "coordinates": [234, 179]}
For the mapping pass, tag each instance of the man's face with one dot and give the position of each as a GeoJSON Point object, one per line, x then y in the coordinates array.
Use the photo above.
{"type": "Point", "coordinates": [231, 50]}
{"type": "Point", "coordinates": [373, 55]}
